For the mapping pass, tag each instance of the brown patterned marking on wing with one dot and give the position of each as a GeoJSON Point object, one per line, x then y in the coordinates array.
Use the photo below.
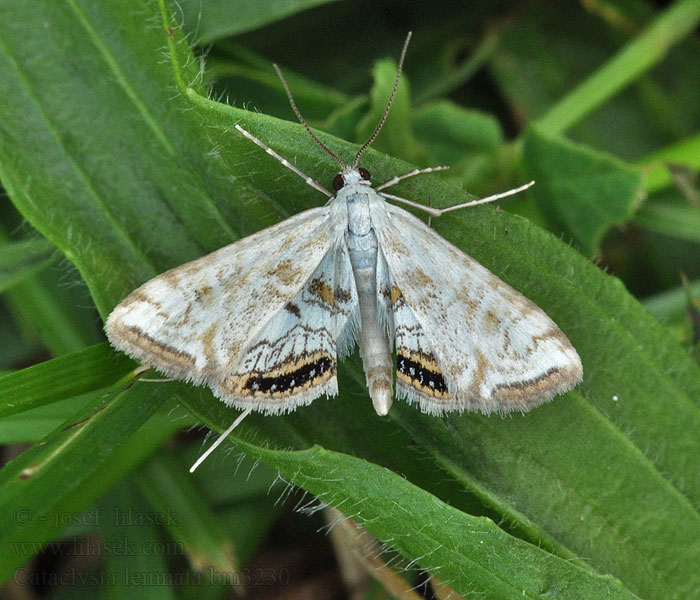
{"type": "Point", "coordinates": [139, 296]}
{"type": "Point", "coordinates": [555, 380]}
{"type": "Point", "coordinates": [204, 295]}
{"type": "Point", "coordinates": [294, 375]}
{"type": "Point", "coordinates": [286, 272]}
{"type": "Point", "coordinates": [491, 322]}
{"type": "Point", "coordinates": [480, 373]}
{"type": "Point", "coordinates": [292, 308]}
{"type": "Point", "coordinates": [172, 276]}
{"type": "Point", "coordinates": [319, 288]}
{"type": "Point", "coordinates": [420, 279]}
{"type": "Point", "coordinates": [131, 338]}
{"type": "Point", "coordinates": [553, 333]}
{"type": "Point", "coordinates": [343, 296]}
{"type": "Point", "coordinates": [396, 295]}
{"type": "Point", "coordinates": [466, 298]}
{"type": "Point", "coordinates": [208, 341]}
{"type": "Point", "coordinates": [420, 371]}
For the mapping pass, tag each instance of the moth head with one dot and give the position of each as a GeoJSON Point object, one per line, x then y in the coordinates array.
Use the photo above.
{"type": "Point", "coordinates": [349, 176]}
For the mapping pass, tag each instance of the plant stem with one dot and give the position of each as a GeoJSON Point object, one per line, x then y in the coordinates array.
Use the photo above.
{"type": "Point", "coordinates": [635, 58]}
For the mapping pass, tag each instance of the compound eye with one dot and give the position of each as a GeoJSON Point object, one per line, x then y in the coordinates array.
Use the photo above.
{"type": "Point", "coordinates": [338, 182]}
{"type": "Point", "coordinates": [364, 173]}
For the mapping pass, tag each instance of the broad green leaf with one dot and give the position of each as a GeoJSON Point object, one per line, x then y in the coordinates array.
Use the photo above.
{"type": "Point", "coordinates": [529, 469]}
{"type": "Point", "coordinates": [343, 122]}
{"type": "Point", "coordinates": [101, 200]}
{"type": "Point", "coordinates": [467, 140]}
{"type": "Point", "coordinates": [48, 311]}
{"type": "Point", "coordinates": [452, 131]}
{"type": "Point", "coordinates": [19, 260]}
{"type": "Point", "coordinates": [171, 491]}
{"type": "Point", "coordinates": [71, 375]}
{"type": "Point", "coordinates": [580, 191]}
{"type": "Point", "coordinates": [214, 19]}
{"type": "Point", "coordinates": [132, 545]}
{"type": "Point", "coordinates": [239, 73]}
{"type": "Point", "coordinates": [71, 467]}
{"type": "Point", "coordinates": [471, 554]}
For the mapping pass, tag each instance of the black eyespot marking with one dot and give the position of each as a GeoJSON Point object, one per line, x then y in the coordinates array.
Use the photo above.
{"type": "Point", "coordinates": [364, 173]}
{"type": "Point", "coordinates": [291, 380]}
{"type": "Point", "coordinates": [338, 182]}
{"type": "Point", "coordinates": [420, 375]}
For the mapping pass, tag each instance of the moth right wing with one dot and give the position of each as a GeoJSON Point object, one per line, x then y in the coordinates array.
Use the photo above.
{"type": "Point", "coordinates": [465, 340]}
{"type": "Point", "coordinates": [201, 321]}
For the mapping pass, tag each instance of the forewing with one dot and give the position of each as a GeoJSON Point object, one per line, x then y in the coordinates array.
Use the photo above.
{"type": "Point", "coordinates": [465, 340]}
{"type": "Point", "coordinates": [196, 322]}
{"type": "Point", "coordinates": [293, 358]}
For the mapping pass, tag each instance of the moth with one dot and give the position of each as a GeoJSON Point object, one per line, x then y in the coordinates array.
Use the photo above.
{"type": "Point", "coordinates": [264, 321]}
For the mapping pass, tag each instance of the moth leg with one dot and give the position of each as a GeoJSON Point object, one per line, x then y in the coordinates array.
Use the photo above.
{"type": "Point", "coordinates": [437, 212]}
{"type": "Point", "coordinates": [395, 180]}
{"type": "Point", "coordinates": [310, 181]}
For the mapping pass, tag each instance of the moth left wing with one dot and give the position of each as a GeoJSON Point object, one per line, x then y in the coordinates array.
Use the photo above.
{"type": "Point", "coordinates": [201, 321]}
{"type": "Point", "coordinates": [293, 358]}
{"type": "Point", "coordinates": [465, 340]}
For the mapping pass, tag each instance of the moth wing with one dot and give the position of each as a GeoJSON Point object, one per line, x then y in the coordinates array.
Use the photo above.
{"type": "Point", "coordinates": [465, 340]}
{"type": "Point", "coordinates": [293, 359]}
{"type": "Point", "coordinates": [196, 321]}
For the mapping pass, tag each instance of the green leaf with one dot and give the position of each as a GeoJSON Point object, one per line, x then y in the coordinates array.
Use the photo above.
{"type": "Point", "coordinates": [71, 467]}
{"type": "Point", "coordinates": [397, 136]}
{"type": "Point", "coordinates": [34, 424]}
{"type": "Point", "coordinates": [452, 131]}
{"type": "Point", "coordinates": [469, 553]}
{"type": "Point", "coordinates": [241, 73]}
{"type": "Point", "coordinates": [685, 152]}
{"type": "Point", "coordinates": [19, 260]}
{"type": "Point", "coordinates": [47, 310]}
{"type": "Point", "coordinates": [572, 71]}
{"type": "Point", "coordinates": [672, 304]}
{"type": "Point", "coordinates": [580, 191]}
{"type": "Point", "coordinates": [246, 495]}
{"type": "Point", "coordinates": [171, 491]}
{"type": "Point", "coordinates": [637, 57]}
{"type": "Point", "coordinates": [467, 140]}
{"type": "Point", "coordinates": [71, 375]}
{"type": "Point", "coordinates": [214, 19]}
{"type": "Point", "coordinates": [459, 74]}
{"type": "Point", "coordinates": [132, 546]}
{"type": "Point", "coordinates": [101, 203]}
{"type": "Point", "coordinates": [673, 218]}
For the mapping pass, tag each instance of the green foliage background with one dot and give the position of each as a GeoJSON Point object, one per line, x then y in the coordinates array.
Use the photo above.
{"type": "Point", "coordinates": [119, 162]}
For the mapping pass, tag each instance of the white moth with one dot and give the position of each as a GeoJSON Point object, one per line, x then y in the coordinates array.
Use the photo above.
{"type": "Point", "coordinates": [264, 320]}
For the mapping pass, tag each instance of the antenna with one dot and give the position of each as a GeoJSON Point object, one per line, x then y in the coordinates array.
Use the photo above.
{"type": "Point", "coordinates": [303, 121]}
{"type": "Point", "coordinates": [379, 126]}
